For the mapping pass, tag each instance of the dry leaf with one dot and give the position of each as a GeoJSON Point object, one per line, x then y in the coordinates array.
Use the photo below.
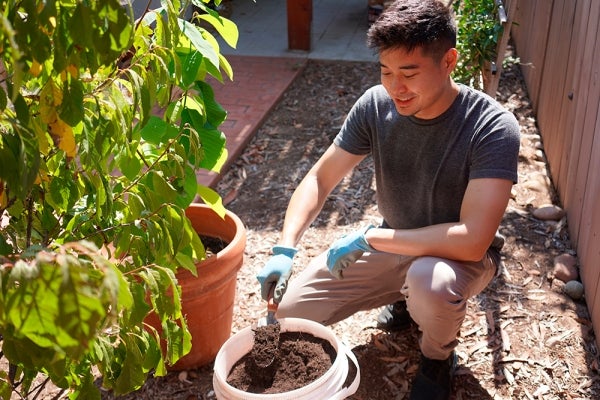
{"type": "Point", "coordinates": [396, 359]}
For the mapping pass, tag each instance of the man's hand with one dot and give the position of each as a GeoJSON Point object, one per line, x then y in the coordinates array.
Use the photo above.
{"type": "Point", "coordinates": [347, 250]}
{"type": "Point", "coordinates": [276, 271]}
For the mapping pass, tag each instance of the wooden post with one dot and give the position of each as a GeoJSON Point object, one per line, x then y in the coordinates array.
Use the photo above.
{"type": "Point", "coordinates": [299, 17]}
{"type": "Point", "coordinates": [493, 77]}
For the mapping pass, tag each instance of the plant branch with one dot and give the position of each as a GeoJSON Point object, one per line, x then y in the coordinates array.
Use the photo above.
{"type": "Point", "coordinates": [142, 175]}
{"type": "Point", "coordinates": [29, 211]}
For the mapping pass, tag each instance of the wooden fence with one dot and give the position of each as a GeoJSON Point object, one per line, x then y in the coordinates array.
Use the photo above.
{"type": "Point", "coordinates": [558, 43]}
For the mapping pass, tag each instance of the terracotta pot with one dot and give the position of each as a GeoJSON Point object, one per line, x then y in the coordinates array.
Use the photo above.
{"type": "Point", "coordinates": [207, 299]}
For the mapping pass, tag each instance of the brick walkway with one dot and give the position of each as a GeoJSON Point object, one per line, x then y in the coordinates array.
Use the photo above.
{"type": "Point", "coordinates": [258, 84]}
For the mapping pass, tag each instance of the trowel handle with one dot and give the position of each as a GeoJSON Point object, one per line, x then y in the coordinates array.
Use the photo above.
{"type": "Point", "coordinates": [271, 305]}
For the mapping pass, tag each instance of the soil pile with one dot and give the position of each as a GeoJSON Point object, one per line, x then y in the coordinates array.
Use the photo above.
{"type": "Point", "coordinates": [301, 359]}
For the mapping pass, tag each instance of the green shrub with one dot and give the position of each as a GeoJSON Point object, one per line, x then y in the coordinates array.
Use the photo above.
{"type": "Point", "coordinates": [478, 33]}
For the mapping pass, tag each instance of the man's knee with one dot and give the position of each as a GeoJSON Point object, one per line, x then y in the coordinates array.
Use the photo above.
{"type": "Point", "coordinates": [430, 275]}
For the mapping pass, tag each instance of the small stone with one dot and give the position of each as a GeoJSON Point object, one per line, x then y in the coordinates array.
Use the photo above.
{"type": "Point", "coordinates": [565, 268]}
{"type": "Point", "coordinates": [549, 212]}
{"type": "Point", "coordinates": [535, 186]}
{"type": "Point", "coordinates": [183, 377]}
{"type": "Point", "coordinates": [573, 289]}
{"type": "Point", "coordinates": [538, 182]}
{"type": "Point", "coordinates": [539, 154]}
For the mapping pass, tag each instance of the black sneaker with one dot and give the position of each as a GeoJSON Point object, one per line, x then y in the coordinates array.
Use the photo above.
{"type": "Point", "coordinates": [394, 317]}
{"type": "Point", "coordinates": [434, 379]}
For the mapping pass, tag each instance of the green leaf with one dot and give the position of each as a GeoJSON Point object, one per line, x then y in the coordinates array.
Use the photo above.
{"type": "Point", "coordinates": [3, 99]}
{"type": "Point", "coordinates": [215, 152]}
{"type": "Point", "coordinates": [225, 66]}
{"type": "Point", "coordinates": [191, 63]}
{"type": "Point", "coordinates": [159, 281]}
{"type": "Point", "coordinates": [227, 29]}
{"type": "Point", "coordinates": [189, 188]}
{"type": "Point", "coordinates": [153, 357]}
{"type": "Point", "coordinates": [212, 199]}
{"type": "Point", "coordinates": [215, 113]}
{"type": "Point", "coordinates": [22, 110]}
{"type": "Point", "coordinates": [147, 98]}
{"type": "Point", "coordinates": [187, 262]}
{"type": "Point", "coordinates": [140, 307]}
{"type": "Point", "coordinates": [160, 185]}
{"type": "Point", "coordinates": [5, 248]}
{"type": "Point", "coordinates": [101, 196]}
{"type": "Point", "coordinates": [131, 374]}
{"type": "Point", "coordinates": [72, 106]}
{"type": "Point", "coordinates": [192, 32]}
{"type": "Point", "coordinates": [20, 161]}
{"type": "Point", "coordinates": [193, 112]}
{"type": "Point", "coordinates": [157, 130]}
{"type": "Point", "coordinates": [130, 165]}
{"type": "Point", "coordinates": [179, 339]}
{"type": "Point", "coordinates": [135, 207]}
{"type": "Point", "coordinates": [5, 388]}
{"type": "Point", "coordinates": [117, 286]}
{"type": "Point", "coordinates": [87, 389]}
{"type": "Point", "coordinates": [81, 33]}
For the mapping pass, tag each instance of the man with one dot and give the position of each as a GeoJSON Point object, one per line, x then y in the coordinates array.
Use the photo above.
{"type": "Point", "coordinates": [445, 160]}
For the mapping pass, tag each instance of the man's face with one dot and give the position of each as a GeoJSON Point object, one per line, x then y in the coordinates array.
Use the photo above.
{"type": "Point", "coordinates": [418, 84]}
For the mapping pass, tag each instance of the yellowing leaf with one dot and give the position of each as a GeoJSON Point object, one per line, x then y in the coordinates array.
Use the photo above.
{"type": "Point", "coordinates": [42, 135]}
{"type": "Point", "coordinates": [50, 98]}
{"type": "Point", "coordinates": [56, 92]}
{"type": "Point", "coordinates": [63, 137]}
{"type": "Point", "coordinates": [42, 177]}
{"type": "Point", "coordinates": [72, 70]}
{"type": "Point", "coordinates": [35, 69]}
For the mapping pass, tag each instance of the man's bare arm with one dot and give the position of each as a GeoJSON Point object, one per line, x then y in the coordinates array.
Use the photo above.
{"type": "Point", "coordinates": [482, 210]}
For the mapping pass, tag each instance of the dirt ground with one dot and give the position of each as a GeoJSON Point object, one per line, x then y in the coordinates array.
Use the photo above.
{"type": "Point", "coordinates": [522, 338]}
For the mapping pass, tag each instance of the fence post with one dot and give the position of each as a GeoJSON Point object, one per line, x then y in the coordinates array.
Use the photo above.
{"type": "Point", "coordinates": [299, 17]}
{"type": "Point", "coordinates": [496, 67]}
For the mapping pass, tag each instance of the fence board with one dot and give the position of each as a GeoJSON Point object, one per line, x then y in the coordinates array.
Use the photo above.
{"type": "Point", "coordinates": [520, 31]}
{"type": "Point", "coordinates": [551, 90]}
{"type": "Point", "coordinates": [575, 191]}
{"type": "Point", "coordinates": [590, 228]}
{"type": "Point", "coordinates": [573, 87]}
{"type": "Point", "coordinates": [533, 55]}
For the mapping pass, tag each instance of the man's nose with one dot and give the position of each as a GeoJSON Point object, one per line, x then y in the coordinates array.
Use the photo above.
{"type": "Point", "coordinates": [398, 86]}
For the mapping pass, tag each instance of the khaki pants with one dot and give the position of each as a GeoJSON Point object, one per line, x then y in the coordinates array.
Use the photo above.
{"type": "Point", "coordinates": [436, 291]}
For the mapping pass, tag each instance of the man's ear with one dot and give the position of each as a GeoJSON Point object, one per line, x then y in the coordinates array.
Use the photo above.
{"type": "Point", "coordinates": [450, 59]}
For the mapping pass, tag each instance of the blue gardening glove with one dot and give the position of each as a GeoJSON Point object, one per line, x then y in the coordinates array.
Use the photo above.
{"type": "Point", "coordinates": [276, 271]}
{"type": "Point", "coordinates": [347, 250]}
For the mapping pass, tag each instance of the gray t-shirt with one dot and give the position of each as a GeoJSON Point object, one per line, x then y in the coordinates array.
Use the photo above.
{"type": "Point", "coordinates": [422, 167]}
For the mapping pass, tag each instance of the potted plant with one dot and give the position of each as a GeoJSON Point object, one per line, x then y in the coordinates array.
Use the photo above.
{"type": "Point", "coordinates": [104, 122]}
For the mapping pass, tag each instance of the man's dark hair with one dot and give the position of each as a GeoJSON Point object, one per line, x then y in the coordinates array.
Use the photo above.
{"type": "Point", "coordinates": [408, 24]}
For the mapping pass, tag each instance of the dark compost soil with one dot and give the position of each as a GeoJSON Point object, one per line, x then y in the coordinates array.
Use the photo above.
{"type": "Point", "coordinates": [301, 359]}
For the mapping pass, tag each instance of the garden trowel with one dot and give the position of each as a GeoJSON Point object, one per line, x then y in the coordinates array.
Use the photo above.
{"type": "Point", "coordinates": [271, 310]}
